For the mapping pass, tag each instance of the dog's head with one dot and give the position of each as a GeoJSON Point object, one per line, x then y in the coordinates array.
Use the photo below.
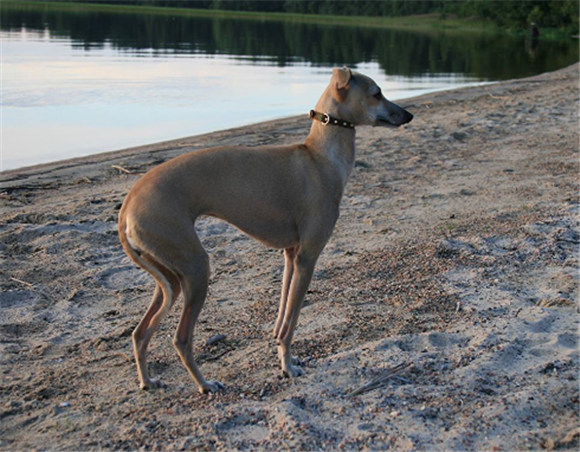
{"type": "Point", "coordinates": [361, 101]}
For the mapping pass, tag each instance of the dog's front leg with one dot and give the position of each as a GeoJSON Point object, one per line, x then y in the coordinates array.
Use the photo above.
{"type": "Point", "coordinates": [303, 269]}
{"type": "Point", "coordinates": [289, 256]}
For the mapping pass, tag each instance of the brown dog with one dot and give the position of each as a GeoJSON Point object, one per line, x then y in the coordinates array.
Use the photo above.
{"type": "Point", "coordinates": [285, 197]}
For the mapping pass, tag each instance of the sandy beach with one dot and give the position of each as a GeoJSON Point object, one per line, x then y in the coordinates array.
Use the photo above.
{"type": "Point", "coordinates": [455, 258]}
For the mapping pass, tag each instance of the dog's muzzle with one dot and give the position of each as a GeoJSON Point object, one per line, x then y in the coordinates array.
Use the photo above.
{"type": "Point", "coordinates": [396, 116]}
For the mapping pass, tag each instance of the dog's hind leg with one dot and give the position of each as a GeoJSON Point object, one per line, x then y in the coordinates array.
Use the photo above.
{"type": "Point", "coordinates": [166, 292]}
{"type": "Point", "coordinates": [194, 283]}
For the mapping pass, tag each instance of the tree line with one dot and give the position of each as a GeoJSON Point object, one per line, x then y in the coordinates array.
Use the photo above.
{"type": "Point", "coordinates": [514, 14]}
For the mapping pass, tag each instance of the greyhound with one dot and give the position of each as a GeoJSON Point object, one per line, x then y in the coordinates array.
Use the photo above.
{"type": "Point", "coordinates": [286, 197]}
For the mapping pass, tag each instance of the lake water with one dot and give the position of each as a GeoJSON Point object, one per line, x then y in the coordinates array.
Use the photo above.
{"type": "Point", "coordinates": [77, 82]}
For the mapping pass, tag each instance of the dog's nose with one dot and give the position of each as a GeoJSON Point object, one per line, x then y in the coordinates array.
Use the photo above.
{"type": "Point", "coordinates": [398, 115]}
{"type": "Point", "coordinates": [401, 117]}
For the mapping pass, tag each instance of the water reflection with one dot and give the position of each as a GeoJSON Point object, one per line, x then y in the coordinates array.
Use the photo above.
{"type": "Point", "coordinates": [78, 82]}
{"type": "Point", "coordinates": [485, 56]}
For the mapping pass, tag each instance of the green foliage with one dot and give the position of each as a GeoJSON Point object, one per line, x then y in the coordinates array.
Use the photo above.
{"type": "Point", "coordinates": [560, 14]}
{"type": "Point", "coordinates": [536, 15]}
{"type": "Point", "coordinates": [510, 14]}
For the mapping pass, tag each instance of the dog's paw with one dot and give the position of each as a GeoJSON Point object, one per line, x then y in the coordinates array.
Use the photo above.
{"type": "Point", "coordinates": [293, 371]}
{"type": "Point", "coordinates": [151, 383]}
{"type": "Point", "coordinates": [211, 386]}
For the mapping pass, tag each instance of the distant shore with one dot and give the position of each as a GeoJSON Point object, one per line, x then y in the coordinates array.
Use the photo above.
{"type": "Point", "coordinates": [448, 23]}
{"type": "Point", "coordinates": [424, 22]}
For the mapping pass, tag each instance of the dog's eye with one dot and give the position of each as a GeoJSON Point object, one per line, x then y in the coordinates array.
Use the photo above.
{"type": "Point", "coordinates": [379, 95]}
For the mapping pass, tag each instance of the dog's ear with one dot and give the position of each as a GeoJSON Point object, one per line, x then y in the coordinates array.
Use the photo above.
{"type": "Point", "coordinates": [341, 78]}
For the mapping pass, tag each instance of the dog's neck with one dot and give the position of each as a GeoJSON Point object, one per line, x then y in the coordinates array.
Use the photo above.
{"type": "Point", "coordinates": [337, 144]}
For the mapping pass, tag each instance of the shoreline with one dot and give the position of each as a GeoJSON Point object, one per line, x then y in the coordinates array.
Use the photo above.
{"type": "Point", "coordinates": [188, 141]}
{"type": "Point", "coordinates": [455, 256]}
